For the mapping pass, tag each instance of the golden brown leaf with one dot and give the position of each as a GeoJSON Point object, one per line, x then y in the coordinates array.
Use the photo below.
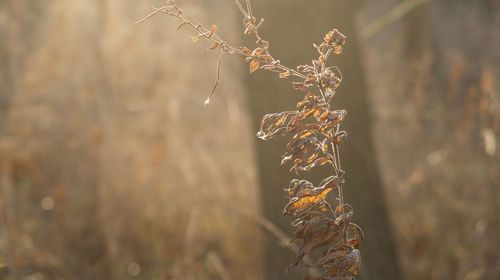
{"type": "Point", "coordinates": [284, 75]}
{"type": "Point", "coordinates": [212, 31]}
{"type": "Point", "coordinates": [306, 201]}
{"type": "Point", "coordinates": [254, 65]}
{"type": "Point", "coordinates": [213, 46]}
{"type": "Point", "coordinates": [275, 123]}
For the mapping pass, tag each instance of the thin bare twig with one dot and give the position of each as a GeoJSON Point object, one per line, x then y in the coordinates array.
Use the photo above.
{"type": "Point", "coordinates": [217, 79]}
{"type": "Point", "coordinates": [157, 10]}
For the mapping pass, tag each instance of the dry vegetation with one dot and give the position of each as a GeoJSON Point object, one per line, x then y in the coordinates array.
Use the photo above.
{"type": "Point", "coordinates": [316, 139]}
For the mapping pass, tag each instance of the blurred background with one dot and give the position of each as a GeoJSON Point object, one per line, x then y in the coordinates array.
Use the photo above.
{"type": "Point", "coordinates": [111, 168]}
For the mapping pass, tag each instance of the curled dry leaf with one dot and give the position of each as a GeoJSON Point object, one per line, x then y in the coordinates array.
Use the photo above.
{"type": "Point", "coordinates": [343, 263]}
{"type": "Point", "coordinates": [284, 75]}
{"type": "Point", "coordinates": [213, 46]}
{"type": "Point", "coordinates": [331, 78]}
{"type": "Point", "coordinates": [303, 195]}
{"type": "Point", "coordinates": [302, 150]}
{"type": "Point", "coordinates": [254, 66]}
{"type": "Point", "coordinates": [317, 235]}
{"type": "Point", "coordinates": [276, 123]}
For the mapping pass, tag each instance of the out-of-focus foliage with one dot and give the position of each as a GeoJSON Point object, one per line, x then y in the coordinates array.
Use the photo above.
{"type": "Point", "coordinates": [109, 167]}
{"type": "Point", "coordinates": [434, 79]}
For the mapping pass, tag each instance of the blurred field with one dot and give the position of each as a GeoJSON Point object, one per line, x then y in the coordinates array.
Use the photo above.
{"type": "Point", "coordinates": [111, 168]}
{"type": "Point", "coordinates": [435, 88]}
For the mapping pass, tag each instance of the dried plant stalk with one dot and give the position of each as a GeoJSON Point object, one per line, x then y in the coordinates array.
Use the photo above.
{"type": "Point", "coordinates": [316, 136]}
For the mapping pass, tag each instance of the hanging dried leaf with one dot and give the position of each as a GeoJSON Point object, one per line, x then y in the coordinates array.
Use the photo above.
{"type": "Point", "coordinates": [284, 75]}
{"type": "Point", "coordinates": [297, 186]}
{"type": "Point", "coordinates": [213, 46]}
{"type": "Point", "coordinates": [246, 51]}
{"type": "Point", "coordinates": [257, 52]}
{"type": "Point", "coordinates": [331, 78]}
{"type": "Point", "coordinates": [276, 123]}
{"type": "Point", "coordinates": [299, 86]}
{"type": "Point", "coordinates": [317, 162]}
{"type": "Point", "coordinates": [212, 31]}
{"type": "Point", "coordinates": [356, 234]}
{"type": "Point", "coordinates": [311, 80]}
{"type": "Point", "coordinates": [333, 253]}
{"type": "Point", "coordinates": [311, 105]}
{"type": "Point", "coordinates": [303, 221]}
{"type": "Point", "coordinates": [254, 65]}
{"type": "Point", "coordinates": [331, 182]}
{"type": "Point", "coordinates": [332, 118]}
{"type": "Point", "coordinates": [343, 263]}
{"type": "Point", "coordinates": [316, 235]}
{"type": "Point", "coordinates": [307, 69]}
{"type": "Point", "coordinates": [339, 137]}
{"type": "Point", "coordinates": [303, 195]}
{"type": "Point", "coordinates": [302, 150]}
{"type": "Point", "coordinates": [300, 204]}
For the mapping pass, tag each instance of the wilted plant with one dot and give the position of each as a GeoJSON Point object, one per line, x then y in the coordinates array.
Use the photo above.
{"type": "Point", "coordinates": [316, 136]}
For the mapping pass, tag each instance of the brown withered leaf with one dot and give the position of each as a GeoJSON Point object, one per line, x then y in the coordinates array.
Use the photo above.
{"type": "Point", "coordinates": [257, 52]}
{"type": "Point", "coordinates": [301, 223]}
{"type": "Point", "coordinates": [335, 39]}
{"type": "Point", "coordinates": [302, 150]}
{"type": "Point", "coordinates": [304, 196]}
{"type": "Point", "coordinates": [344, 220]}
{"type": "Point", "coordinates": [297, 204]}
{"type": "Point", "coordinates": [299, 86]}
{"type": "Point", "coordinates": [254, 66]}
{"type": "Point", "coordinates": [316, 235]}
{"type": "Point", "coordinates": [331, 182]}
{"type": "Point", "coordinates": [311, 105]}
{"type": "Point", "coordinates": [297, 186]}
{"type": "Point", "coordinates": [284, 75]}
{"type": "Point", "coordinates": [332, 254]}
{"type": "Point", "coordinates": [339, 137]}
{"type": "Point", "coordinates": [306, 69]}
{"type": "Point", "coordinates": [341, 260]}
{"type": "Point", "coordinates": [356, 234]}
{"type": "Point", "coordinates": [213, 46]}
{"type": "Point", "coordinates": [275, 123]}
{"type": "Point", "coordinates": [311, 80]}
{"type": "Point", "coordinates": [246, 51]}
{"type": "Point", "coordinates": [343, 208]}
{"type": "Point", "coordinates": [331, 118]}
{"type": "Point", "coordinates": [309, 217]}
{"type": "Point", "coordinates": [342, 265]}
{"type": "Point", "coordinates": [212, 31]}
{"type": "Point", "coordinates": [331, 78]}
{"type": "Point", "coordinates": [318, 162]}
